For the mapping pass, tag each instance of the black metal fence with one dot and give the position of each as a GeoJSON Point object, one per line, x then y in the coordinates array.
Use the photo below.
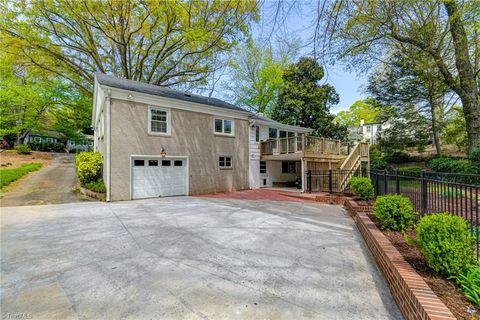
{"type": "Point", "coordinates": [430, 192]}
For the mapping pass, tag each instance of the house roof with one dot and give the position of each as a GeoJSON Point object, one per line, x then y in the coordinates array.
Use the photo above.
{"type": "Point", "coordinates": [136, 86]}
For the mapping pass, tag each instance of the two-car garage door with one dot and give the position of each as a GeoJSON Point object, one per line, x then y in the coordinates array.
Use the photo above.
{"type": "Point", "coordinates": [158, 177]}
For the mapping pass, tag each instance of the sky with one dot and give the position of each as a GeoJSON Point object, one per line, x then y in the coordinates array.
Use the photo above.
{"type": "Point", "coordinates": [299, 22]}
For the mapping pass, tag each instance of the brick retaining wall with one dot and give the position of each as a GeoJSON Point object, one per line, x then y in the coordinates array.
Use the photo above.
{"type": "Point", "coordinates": [413, 296]}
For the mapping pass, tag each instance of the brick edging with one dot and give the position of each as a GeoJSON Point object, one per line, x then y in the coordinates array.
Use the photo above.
{"type": "Point", "coordinates": [413, 296]}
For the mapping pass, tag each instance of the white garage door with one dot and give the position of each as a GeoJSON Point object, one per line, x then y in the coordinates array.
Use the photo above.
{"type": "Point", "coordinates": [158, 177]}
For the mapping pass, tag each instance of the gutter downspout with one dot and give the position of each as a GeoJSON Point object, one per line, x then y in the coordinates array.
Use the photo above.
{"type": "Point", "coordinates": [108, 130]}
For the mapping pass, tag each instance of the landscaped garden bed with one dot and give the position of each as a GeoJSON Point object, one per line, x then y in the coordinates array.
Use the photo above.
{"type": "Point", "coordinates": [89, 171]}
{"type": "Point", "coordinates": [447, 290]}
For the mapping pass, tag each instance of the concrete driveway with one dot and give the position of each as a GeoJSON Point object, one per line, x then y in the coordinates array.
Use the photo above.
{"type": "Point", "coordinates": [188, 258]}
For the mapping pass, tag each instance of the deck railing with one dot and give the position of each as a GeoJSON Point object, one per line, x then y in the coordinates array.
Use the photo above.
{"type": "Point", "coordinates": [308, 144]}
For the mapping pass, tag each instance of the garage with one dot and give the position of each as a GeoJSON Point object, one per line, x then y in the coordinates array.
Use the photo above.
{"type": "Point", "coordinates": [159, 177]}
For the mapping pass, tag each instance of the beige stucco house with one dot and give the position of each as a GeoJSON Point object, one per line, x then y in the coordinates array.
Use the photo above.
{"type": "Point", "coordinates": [160, 142]}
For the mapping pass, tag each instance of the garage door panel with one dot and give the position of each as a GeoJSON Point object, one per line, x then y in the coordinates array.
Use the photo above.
{"type": "Point", "coordinates": [159, 178]}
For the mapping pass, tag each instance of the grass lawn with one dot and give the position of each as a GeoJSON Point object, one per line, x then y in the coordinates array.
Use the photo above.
{"type": "Point", "coordinates": [8, 176]}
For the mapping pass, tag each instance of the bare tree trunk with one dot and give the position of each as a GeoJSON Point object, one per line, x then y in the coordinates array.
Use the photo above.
{"type": "Point", "coordinates": [435, 128]}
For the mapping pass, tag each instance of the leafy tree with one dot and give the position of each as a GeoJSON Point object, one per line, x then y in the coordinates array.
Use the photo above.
{"type": "Point", "coordinates": [455, 131]}
{"type": "Point", "coordinates": [400, 82]}
{"type": "Point", "coordinates": [366, 110]}
{"type": "Point", "coordinates": [256, 77]}
{"type": "Point", "coordinates": [303, 101]}
{"type": "Point", "coordinates": [446, 32]}
{"type": "Point", "coordinates": [408, 128]}
{"type": "Point", "coordinates": [159, 42]}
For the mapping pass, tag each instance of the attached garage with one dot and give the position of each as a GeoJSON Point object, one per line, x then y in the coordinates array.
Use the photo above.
{"type": "Point", "coordinates": [159, 177]}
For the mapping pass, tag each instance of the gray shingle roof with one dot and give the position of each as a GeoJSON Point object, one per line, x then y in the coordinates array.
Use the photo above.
{"type": "Point", "coordinates": [112, 81]}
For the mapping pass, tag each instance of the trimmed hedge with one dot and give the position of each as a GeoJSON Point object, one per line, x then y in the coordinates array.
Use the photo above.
{"type": "Point", "coordinates": [47, 146]}
{"type": "Point", "coordinates": [452, 165]}
{"type": "Point", "coordinates": [362, 188]}
{"type": "Point", "coordinates": [23, 149]}
{"type": "Point", "coordinates": [411, 169]}
{"type": "Point", "coordinates": [394, 211]}
{"type": "Point", "coordinates": [445, 242]}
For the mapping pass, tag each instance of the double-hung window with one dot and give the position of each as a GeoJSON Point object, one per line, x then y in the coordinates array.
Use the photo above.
{"type": "Point", "coordinates": [225, 162]}
{"type": "Point", "coordinates": [223, 126]}
{"type": "Point", "coordinates": [158, 121]}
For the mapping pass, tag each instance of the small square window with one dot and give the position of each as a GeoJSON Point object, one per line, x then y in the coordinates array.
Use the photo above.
{"type": "Point", "coordinates": [223, 126]}
{"type": "Point", "coordinates": [288, 167]}
{"type": "Point", "coordinates": [166, 163]}
{"type": "Point", "coordinates": [225, 162]}
{"type": "Point", "coordinates": [138, 163]}
{"type": "Point", "coordinates": [152, 163]}
{"type": "Point", "coordinates": [178, 163]}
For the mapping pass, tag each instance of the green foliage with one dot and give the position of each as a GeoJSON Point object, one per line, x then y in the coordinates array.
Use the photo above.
{"type": "Point", "coordinates": [23, 149]}
{"type": "Point", "coordinates": [469, 281]}
{"type": "Point", "coordinates": [410, 169]}
{"type": "Point", "coordinates": [475, 155]}
{"type": "Point", "coordinates": [304, 102]}
{"type": "Point", "coordinates": [377, 162]}
{"type": "Point", "coordinates": [89, 166]}
{"type": "Point", "coordinates": [455, 129]}
{"type": "Point", "coordinates": [97, 186]}
{"type": "Point", "coordinates": [452, 165]}
{"type": "Point", "coordinates": [8, 176]}
{"type": "Point", "coordinates": [366, 110]}
{"type": "Point", "coordinates": [445, 242]}
{"type": "Point", "coordinates": [256, 77]}
{"type": "Point", "coordinates": [395, 212]}
{"type": "Point", "coordinates": [47, 146]}
{"type": "Point", "coordinates": [362, 188]}
{"type": "Point", "coordinates": [397, 157]}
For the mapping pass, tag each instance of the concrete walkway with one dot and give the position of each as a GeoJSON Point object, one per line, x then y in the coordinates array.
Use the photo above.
{"type": "Point", "coordinates": [50, 185]}
{"type": "Point", "coordinates": [188, 258]}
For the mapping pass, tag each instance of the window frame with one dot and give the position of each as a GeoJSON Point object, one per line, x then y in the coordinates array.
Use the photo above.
{"type": "Point", "coordinates": [289, 166]}
{"type": "Point", "coordinates": [168, 121]}
{"type": "Point", "coordinates": [223, 133]}
{"type": "Point", "coordinates": [263, 167]}
{"type": "Point", "coordinates": [257, 133]}
{"type": "Point", "coordinates": [225, 167]}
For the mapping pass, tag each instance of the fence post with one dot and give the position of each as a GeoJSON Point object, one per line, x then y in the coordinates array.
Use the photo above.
{"type": "Point", "coordinates": [377, 186]}
{"type": "Point", "coordinates": [330, 182]}
{"type": "Point", "coordinates": [424, 193]}
{"type": "Point", "coordinates": [398, 181]}
{"type": "Point", "coordinates": [385, 186]}
{"type": "Point", "coordinates": [309, 181]}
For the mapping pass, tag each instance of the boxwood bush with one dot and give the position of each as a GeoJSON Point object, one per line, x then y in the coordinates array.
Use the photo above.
{"type": "Point", "coordinates": [445, 242]}
{"type": "Point", "coordinates": [394, 211]}
{"type": "Point", "coordinates": [362, 188]}
{"type": "Point", "coordinates": [89, 166]}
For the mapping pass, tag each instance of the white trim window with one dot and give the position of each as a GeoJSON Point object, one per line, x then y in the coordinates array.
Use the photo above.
{"type": "Point", "coordinates": [225, 162]}
{"type": "Point", "coordinates": [158, 121]}
{"type": "Point", "coordinates": [223, 126]}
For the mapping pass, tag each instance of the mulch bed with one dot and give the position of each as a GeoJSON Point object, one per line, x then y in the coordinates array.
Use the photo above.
{"type": "Point", "coordinates": [445, 289]}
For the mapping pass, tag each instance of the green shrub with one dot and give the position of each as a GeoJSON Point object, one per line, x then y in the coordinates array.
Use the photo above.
{"type": "Point", "coordinates": [8, 176]}
{"type": "Point", "coordinates": [362, 188]}
{"type": "Point", "coordinates": [469, 281]}
{"type": "Point", "coordinates": [397, 157]}
{"type": "Point", "coordinates": [47, 146]}
{"type": "Point", "coordinates": [97, 186]}
{"type": "Point", "coordinates": [445, 242]}
{"type": "Point", "coordinates": [475, 155]}
{"type": "Point", "coordinates": [395, 212]}
{"type": "Point", "coordinates": [451, 165]}
{"type": "Point", "coordinates": [23, 149]}
{"type": "Point", "coordinates": [377, 162]}
{"type": "Point", "coordinates": [410, 169]}
{"type": "Point", "coordinates": [89, 166]}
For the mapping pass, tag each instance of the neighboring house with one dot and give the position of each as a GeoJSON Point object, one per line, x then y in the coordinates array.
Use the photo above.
{"type": "Point", "coordinates": [45, 136]}
{"type": "Point", "coordinates": [83, 144]}
{"type": "Point", "coordinates": [367, 132]}
{"type": "Point", "coordinates": [160, 142]}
